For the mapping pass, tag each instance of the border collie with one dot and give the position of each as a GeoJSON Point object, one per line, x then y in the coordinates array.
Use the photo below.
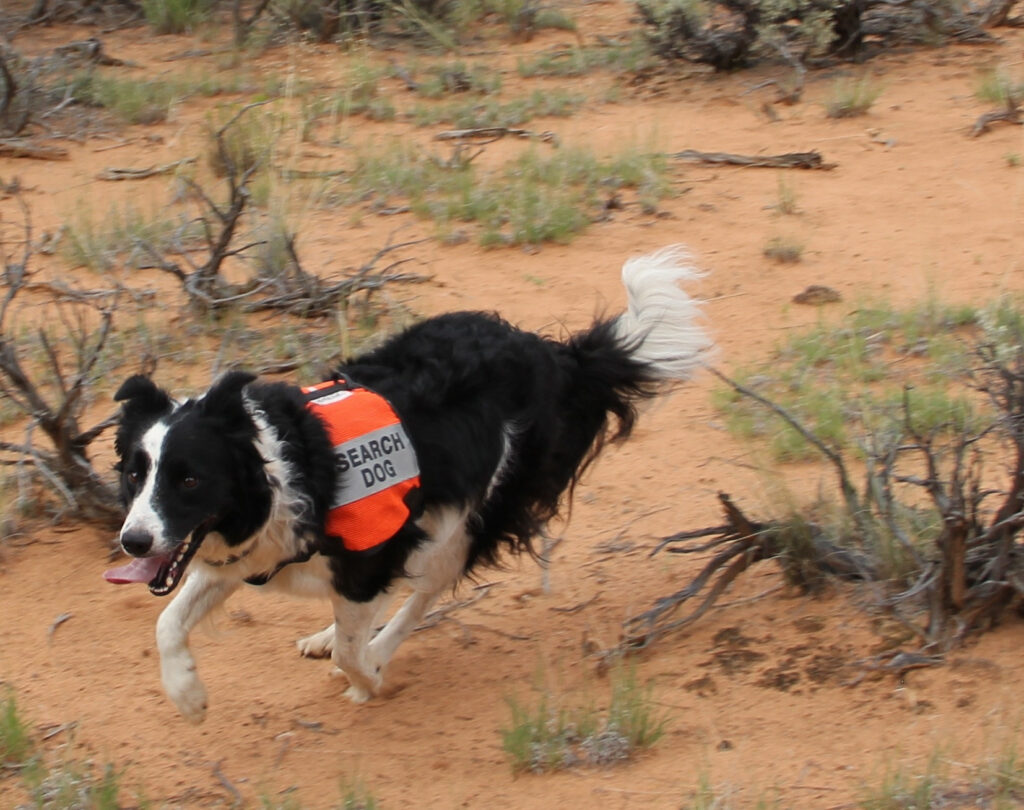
{"type": "Point", "coordinates": [480, 431]}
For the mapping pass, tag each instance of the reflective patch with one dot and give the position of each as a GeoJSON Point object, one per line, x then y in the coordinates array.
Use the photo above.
{"type": "Point", "coordinates": [372, 463]}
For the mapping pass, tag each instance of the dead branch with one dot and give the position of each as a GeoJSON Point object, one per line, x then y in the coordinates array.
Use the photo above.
{"type": "Point", "coordinates": [66, 467]}
{"type": "Point", "coordinates": [789, 160]}
{"type": "Point", "coordinates": [205, 288]}
{"type": "Point", "coordinates": [1011, 114]}
{"type": "Point", "coordinates": [243, 25]}
{"type": "Point", "coordinates": [745, 542]}
{"type": "Point", "coordinates": [437, 615]}
{"type": "Point", "coordinates": [140, 174]}
{"type": "Point", "coordinates": [89, 50]}
{"type": "Point", "coordinates": [10, 86]}
{"type": "Point", "coordinates": [996, 13]}
{"type": "Point", "coordinates": [849, 492]}
{"type": "Point", "coordinates": [300, 293]}
{"type": "Point", "coordinates": [491, 134]}
{"type": "Point", "coordinates": [113, 13]}
{"type": "Point", "coordinates": [963, 584]}
{"type": "Point", "coordinates": [22, 148]}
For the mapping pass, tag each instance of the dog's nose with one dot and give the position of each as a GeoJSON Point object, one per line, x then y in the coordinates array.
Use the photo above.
{"type": "Point", "coordinates": [137, 542]}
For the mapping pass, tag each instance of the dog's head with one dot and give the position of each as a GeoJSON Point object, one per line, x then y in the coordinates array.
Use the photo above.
{"type": "Point", "coordinates": [186, 470]}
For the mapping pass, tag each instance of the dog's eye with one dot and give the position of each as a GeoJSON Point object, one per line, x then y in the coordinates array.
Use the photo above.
{"type": "Point", "coordinates": [133, 477]}
{"type": "Point", "coordinates": [189, 482]}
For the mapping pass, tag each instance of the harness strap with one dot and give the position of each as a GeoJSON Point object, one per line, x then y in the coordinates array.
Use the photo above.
{"type": "Point", "coordinates": [263, 579]}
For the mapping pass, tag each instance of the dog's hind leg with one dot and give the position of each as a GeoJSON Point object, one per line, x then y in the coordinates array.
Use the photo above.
{"type": "Point", "coordinates": [321, 644]}
{"type": "Point", "coordinates": [433, 568]}
{"type": "Point", "coordinates": [317, 645]}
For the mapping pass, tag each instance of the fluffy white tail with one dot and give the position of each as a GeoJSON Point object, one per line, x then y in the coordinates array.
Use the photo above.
{"type": "Point", "coordinates": [661, 323]}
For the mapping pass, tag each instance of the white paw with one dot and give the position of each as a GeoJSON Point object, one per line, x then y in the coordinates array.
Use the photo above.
{"type": "Point", "coordinates": [187, 692]}
{"type": "Point", "coordinates": [358, 694]}
{"type": "Point", "coordinates": [318, 645]}
{"type": "Point", "coordinates": [360, 690]}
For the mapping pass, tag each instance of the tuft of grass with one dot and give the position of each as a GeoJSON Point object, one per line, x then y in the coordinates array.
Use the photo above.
{"type": "Point", "coordinates": [356, 796]}
{"type": "Point", "coordinates": [250, 142]}
{"type": "Point", "coordinates": [176, 16]}
{"type": "Point", "coordinates": [851, 97]}
{"type": "Point", "coordinates": [100, 243]}
{"type": "Point", "coordinates": [16, 746]}
{"type": "Point", "coordinates": [785, 202]}
{"type": "Point", "coordinates": [1013, 159]}
{"type": "Point", "coordinates": [476, 113]}
{"type": "Point", "coordinates": [1005, 777]}
{"type": "Point", "coordinates": [131, 100]}
{"type": "Point", "coordinates": [71, 785]}
{"type": "Point", "coordinates": [458, 77]}
{"type": "Point", "coordinates": [999, 88]}
{"type": "Point", "coordinates": [630, 57]}
{"type": "Point", "coordinates": [900, 790]}
{"type": "Point", "coordinates": [534, 198]}
{"type": "Point", "coordinates": [863, 374]}
{"type": "Point", "coordinates": [546, 738]}
{"type": "Point", "coordinates": [784, 250]}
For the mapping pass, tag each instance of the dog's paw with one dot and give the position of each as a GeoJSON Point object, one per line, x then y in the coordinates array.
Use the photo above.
{"type": "Point", "coordinates": [360, 690]}
{"type": "Point", "coordinates": [187, 692]}
{"type": "Point", "coordinates": [318, 645]}
{"type": "Point", "coordinates": [358, 694]}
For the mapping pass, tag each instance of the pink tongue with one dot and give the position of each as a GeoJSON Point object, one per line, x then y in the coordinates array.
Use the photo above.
{"type": "Point", "coordinates": [140, 569]}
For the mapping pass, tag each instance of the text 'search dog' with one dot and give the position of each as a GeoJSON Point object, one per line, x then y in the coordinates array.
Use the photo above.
{"type": "Point", "coordinates": [417, 462]}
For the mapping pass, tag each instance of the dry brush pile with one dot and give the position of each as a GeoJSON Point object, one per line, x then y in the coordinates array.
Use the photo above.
{"type": "Point", "coordinates": [933, 529]}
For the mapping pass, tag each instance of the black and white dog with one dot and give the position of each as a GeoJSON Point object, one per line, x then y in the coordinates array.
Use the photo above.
{"type": "Point", "coordinates": [476, 431]}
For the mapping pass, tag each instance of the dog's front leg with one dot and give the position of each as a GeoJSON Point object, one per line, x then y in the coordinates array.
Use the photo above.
{"type": "Point", "coordinates": [353, 624]}
{"type": "Point", "coordinates": [200, 594]}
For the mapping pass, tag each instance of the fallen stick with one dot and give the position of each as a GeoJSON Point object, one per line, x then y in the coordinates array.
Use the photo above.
{"type": "Point", "coordinates": [20, 148]}
{"type": "Point", "coordinates": [494, 133]}
{"type": "Point", "coordinates": [56, 623]}
{"type": "Point", "coordinates": [1011, 115]}
{"type": "Point", "coordinates": [790, 160]}
{"type": "Point", "coordinates": [140, 174]}
{"type": "Point", "coordinates": [91, 50]}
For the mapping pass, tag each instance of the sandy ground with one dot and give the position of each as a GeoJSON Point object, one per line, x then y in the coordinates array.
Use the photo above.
{"type": "Point", "coordinates": [761, 697]}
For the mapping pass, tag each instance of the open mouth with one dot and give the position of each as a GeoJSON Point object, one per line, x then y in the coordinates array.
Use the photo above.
{"type": "Point", "coordinates": [162, 572]}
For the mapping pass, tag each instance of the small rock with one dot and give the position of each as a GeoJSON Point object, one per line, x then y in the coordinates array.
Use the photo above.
{"type": "Point", "coordinates": [817, 294]}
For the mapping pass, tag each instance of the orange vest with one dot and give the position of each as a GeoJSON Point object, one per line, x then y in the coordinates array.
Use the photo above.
{"type": "Point", "coordinates": [376, 463]}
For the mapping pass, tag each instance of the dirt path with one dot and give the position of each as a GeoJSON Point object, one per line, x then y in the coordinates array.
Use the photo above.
{"type": "Point", "coordinates": [758, 696]}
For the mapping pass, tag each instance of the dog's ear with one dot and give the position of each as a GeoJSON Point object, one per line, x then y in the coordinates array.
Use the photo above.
{"type": "Point", "coordinates": [225, 395]}
{"type": "Point", "coordinates": [139, 387]}
{"type": "Point", "coordinates": [142, 404]}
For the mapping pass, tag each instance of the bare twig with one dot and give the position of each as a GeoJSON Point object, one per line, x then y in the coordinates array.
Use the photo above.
{"type": "Point", "coordinates": [111, 173]}
{"type": "Point", "coordinates": [22, 148]}
{"type": "Point", "coordinates": [1011, 114]}
{"type": "Point", "coordinates": [790, 160]}
{"type": "Point", "coordinates": [491, 134]}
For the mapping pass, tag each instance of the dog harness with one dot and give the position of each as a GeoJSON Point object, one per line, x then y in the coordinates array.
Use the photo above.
{"type": "Point", "coordinates": [376, 463]}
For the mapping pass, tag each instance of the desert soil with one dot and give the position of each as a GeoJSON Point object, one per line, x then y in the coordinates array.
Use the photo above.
{"type": "Point", "coordinates": [764, 698]}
